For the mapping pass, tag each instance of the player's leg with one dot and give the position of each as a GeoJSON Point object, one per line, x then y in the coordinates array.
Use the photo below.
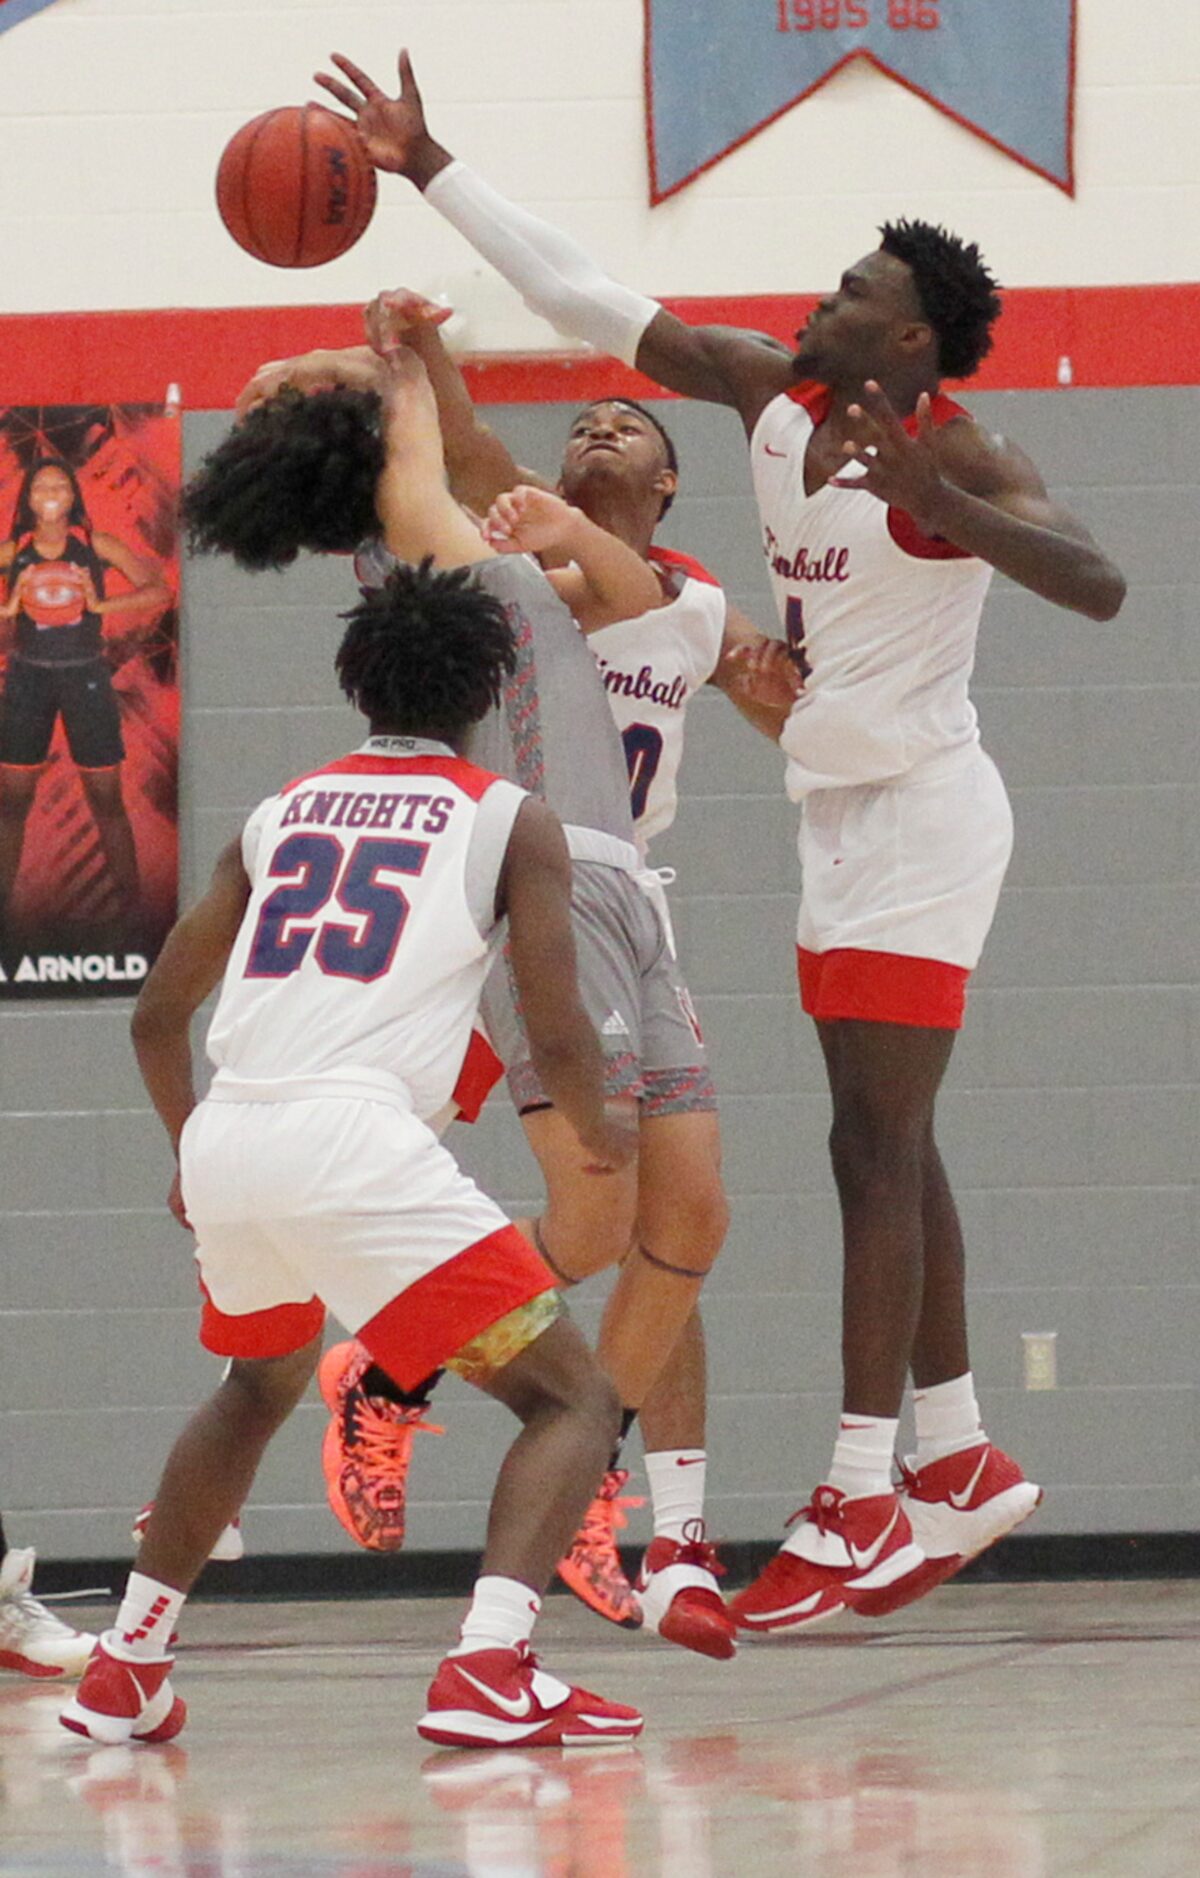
{"type": "Point", "coordinates": [853, 1542]}
{"type": "Point", "coordinates": [682, 1212]}
{"type": "Point", "coordinates": [489, 1690]}
{"type": "Point", "coordinates": [426, 1271]}
{"type": "Point", "coordinates": [28, 714]}
{"type": "Point", "coordinates": [587, 1226]}
{"type": "Point", "coordinates": [33, 1641]}
{"type": "Point", "coordinates": [212, 1466]}
{"type": "Point", "coordinates": [92, 721]}
{"type": "Point", "coordinates": [126, 1693]}
{"type": "Point", "coordinates": [102, 787]}
{"type": "Point", "coordinates": [18, 786]}
{"type": "Point", "coordinates": [961, 1493]}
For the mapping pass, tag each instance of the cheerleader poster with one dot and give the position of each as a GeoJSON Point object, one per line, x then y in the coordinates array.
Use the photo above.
{"type": "Point", "coordinates": [89, 697]}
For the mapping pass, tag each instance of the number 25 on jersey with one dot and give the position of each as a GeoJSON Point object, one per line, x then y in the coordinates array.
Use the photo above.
{"type": "Point", "coordinates": [313, 871]}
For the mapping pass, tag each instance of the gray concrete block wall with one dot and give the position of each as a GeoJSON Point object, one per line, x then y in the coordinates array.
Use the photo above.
{"type": "Point", "coordinates": [1069, 1119]}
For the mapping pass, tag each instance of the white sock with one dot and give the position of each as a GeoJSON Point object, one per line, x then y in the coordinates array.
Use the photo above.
{"type": "Point", "coordinates": [947, 1419]}
{"type": "Point", "coordinates": [502, 1615]}
{"type": "Point", "coordinates": [862, 1455]}
{"type": "Point", "coordinates": [149, 1613]}
{"type": "Point", "coordinates": [676, 1477]}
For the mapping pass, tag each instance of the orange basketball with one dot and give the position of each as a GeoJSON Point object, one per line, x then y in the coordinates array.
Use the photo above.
{"type": "Point", "coordinates": [295, 186]}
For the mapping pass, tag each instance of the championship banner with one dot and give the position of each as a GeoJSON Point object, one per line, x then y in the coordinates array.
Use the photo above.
{"type": "Point", "coordinates": [12, 12]}
{"type": "Point", "coordinates": [89, 696]}
{"type": "Point", "coordinates": [718, 71]}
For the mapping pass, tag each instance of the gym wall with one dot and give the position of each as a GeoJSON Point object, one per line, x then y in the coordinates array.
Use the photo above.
{"type": "Point", "coordinates": [1069, 1120]}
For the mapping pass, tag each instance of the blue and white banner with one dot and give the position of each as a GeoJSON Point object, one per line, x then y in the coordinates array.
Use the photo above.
{"type": "Point", "coordinates": [12, 12]}
{"type": "Point", "coordinates": [717, 71]}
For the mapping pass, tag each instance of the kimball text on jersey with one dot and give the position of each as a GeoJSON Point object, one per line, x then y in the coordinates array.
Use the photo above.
{"type": "Point", "coordinates": [672, 696]}
{"type": "Point", "coordinates": [77, 968]}
{"type": "Point", "coordinates": [833, 565]}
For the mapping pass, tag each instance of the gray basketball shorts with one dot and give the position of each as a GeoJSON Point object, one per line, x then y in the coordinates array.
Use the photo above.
{"type": "Point", "coordinates": [634, 993]}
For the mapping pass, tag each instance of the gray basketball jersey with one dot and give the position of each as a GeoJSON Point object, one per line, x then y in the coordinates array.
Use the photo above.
{"type": "Point", "coordinates": [553, 732]}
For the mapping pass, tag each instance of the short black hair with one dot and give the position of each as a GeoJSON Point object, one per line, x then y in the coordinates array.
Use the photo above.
{"type": "Point", "coordinates": [668, 442]}
{"type": "Point", "coordinates": [426, 654]}
{"type": "Point", "coordinates": [958, 295]}
{"type": "Point", "coordinates": [297, 472]}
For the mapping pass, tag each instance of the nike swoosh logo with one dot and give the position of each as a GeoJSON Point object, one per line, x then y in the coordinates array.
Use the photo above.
{"type": "Point", "coordinates": [788, 1610]}
{"type": "Point", "coordinates": [516, 1706]}
{"type": "Point", "coordinates": [771, 452]}
{"type": "Point", "coordinates": [862, 1560]}
{"type": "Point", "coordinates": [697, 1460]}
{"type": "Point", "coordinates": [960, 1500]}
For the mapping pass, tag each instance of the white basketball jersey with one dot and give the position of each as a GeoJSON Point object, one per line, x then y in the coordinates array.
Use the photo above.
{"type": "Point", "coordinates": [883, 618]}
{"type": "Point", "coordinates": [371, 920]}
{"type": "Point", "coordinates": [651, 666]}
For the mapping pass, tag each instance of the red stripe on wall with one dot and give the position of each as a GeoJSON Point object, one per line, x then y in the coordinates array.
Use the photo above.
{"type": "Point", "coordinates": [1112, 336]}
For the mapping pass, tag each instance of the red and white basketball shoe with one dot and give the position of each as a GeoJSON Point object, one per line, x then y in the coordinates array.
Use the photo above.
{"type": "Point", "coordinates": [592, 1569]}
{"type": "Point", "coordinates": [956, 1507]}
{"type": "Point", "coordinates": [124, 1697]}
{"type": "Point", "coordinates": [366, 1451]}
{"type": "Point", "coordinates": [501, 1698]}
{"type": "Point", "coordinates": [677, 1591]}
{"type": "Point", "coordinates": [842, 1550]}
{"type": "Point", "coordinates": [33, 1641]}
{"type": "Point", "coordinates": [230, 1545]}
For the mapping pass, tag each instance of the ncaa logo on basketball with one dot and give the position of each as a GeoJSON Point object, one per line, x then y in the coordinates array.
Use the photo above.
{"type": "Point", "coordinates": [339, 188]}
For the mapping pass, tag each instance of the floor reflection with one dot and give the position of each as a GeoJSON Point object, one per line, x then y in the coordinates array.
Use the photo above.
{"type": "Point", "coordinates": [700, 1806]}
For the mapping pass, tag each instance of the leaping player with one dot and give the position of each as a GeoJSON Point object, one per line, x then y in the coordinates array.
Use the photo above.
{"type": "Point", "coordinates": [885, 508]}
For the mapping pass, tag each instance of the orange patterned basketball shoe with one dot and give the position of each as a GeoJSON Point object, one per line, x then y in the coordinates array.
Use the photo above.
{"type": "Point", "coordinates": [592, 1568]}
{"type": "Point", "coordinates": [366, 1450]}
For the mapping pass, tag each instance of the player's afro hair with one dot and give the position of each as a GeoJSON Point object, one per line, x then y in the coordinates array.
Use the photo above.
{"type": "Point", "coordinates": [958, 295]}
{"type": "Point", "coordinates": [426, 654]}
{"type": "Point", "coordinates": [297, 472]}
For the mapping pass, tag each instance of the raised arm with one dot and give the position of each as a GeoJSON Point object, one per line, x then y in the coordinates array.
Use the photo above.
{"type": "Point", "coordinates": [479, 464]}
{"type": "Point", "coordinates": [417, 513]}
{"type": "Point", "coordinates": [555, 277]}
{"type": "Point", "coordinates": [983, 494]}
{"type": "Point", "coordinates": [605, 581]}
{"type": "Point", "coordinates": [535, 892]}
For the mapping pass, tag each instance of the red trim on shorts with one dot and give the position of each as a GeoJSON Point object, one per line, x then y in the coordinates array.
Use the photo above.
{"type": "Point", "coordinates": [281, 1331]}
{"type": "Point", "coordinates": [442, 1311]}
{"type": "Point", "coordinates": [882, 987]}
{"type": "Point", "coordinates": [481, 1071]}
{"type": "Point", "coordinates": [468, 777]}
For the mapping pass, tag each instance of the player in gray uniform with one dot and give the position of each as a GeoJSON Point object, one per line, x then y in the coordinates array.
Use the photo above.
{"type": "Point", "coordinates": [554, 708]}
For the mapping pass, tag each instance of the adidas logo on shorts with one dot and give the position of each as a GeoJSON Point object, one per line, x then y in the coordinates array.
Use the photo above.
{"type": "Point", "coordinates": [614, 1025]}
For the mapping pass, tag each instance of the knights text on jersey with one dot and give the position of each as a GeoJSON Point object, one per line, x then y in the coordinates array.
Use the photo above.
{"type": "Point", "coordinates": [371, 921]}
{"type": "Point", "coordinates": [651, 666]}
{"type": "Point", "coordinates": [882, 619]}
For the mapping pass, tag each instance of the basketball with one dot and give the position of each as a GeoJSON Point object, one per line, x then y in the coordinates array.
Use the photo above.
{"type": "Point", "coordinates": [295, 187]}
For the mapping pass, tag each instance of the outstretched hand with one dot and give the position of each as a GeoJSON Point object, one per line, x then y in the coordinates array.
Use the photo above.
{"type": "Point", "coordinates": [900, 469]}
{"type": "Point", "coordinates": [393, 319]}
{"type": "Point", "coordinates": [526, 520]}
{"type": "Point", "coordinates": [766, 674]}
{"type": "Point", "coordinates": [393, 130]}
{"type": "Point", "coordinates": [319, 370]}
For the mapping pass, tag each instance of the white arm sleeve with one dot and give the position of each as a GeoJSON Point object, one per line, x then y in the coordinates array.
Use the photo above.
{"type": "Point", "coordinates": [553, 276]}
